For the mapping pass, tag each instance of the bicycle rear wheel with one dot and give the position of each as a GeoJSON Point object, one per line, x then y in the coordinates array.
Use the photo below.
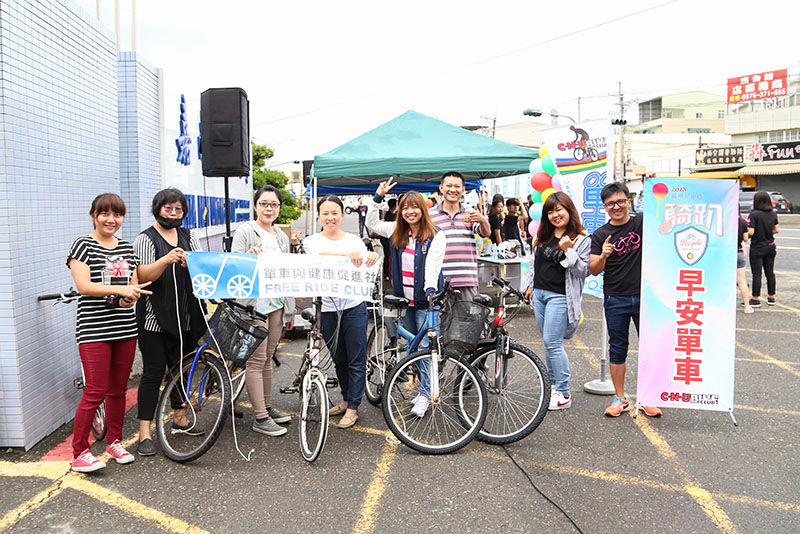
{"type": "Point", "coordinates": [451, 421]}
{"type": "Point", "coordinates": [99, 427]}
{"type": "Point", "coordinates": [313, 419]}
{"type": "Point", "coordinates": [520, 404]}
{"type": "Point", "coordinates": [380, 359]}
{"type": "Point", "coordinates": [209, 393]}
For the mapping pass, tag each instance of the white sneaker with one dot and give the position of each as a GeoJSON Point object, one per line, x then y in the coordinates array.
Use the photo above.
{"type": "Point", "coordinates": [421, 406]}
{"type": "Point", "coordinates": [558, 401]}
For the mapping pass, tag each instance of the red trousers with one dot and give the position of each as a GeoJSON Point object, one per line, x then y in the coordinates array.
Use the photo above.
{"type": "Point", "coordinates": [106, 367]}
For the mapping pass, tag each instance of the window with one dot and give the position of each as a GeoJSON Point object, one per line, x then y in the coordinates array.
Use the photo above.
{"type": "Point", "coordinates": [792, 135]}
{"type": "Point", "coordinates": [698, 115]}
{"type": "Point", "coordinates": [667, 114]}
{"type": "Point", "coordinates": [775, 137]}
{"type": "Point", "coordinates": [720, 114]}
{"type": "Point", "coordinates": [760, 138]}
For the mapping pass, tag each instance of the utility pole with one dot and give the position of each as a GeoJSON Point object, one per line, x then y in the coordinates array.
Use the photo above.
{"type": "Point", "coordinates": [621, 134]}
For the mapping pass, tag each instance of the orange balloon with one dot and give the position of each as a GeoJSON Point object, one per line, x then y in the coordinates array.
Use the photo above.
{"type": "Point", "coordinates": [429, 202]}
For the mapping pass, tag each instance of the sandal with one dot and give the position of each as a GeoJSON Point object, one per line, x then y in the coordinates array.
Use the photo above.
{"type": "Point", "coordinates": [337, 410]}
{"type": "Point", "coordinates": [346, 422]}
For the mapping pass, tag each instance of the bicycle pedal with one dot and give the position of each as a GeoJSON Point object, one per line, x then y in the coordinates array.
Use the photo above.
{"type": "Point", "coordinates": [331, 383]}
{"type": "Point", "coordinates": [238, 414]}
{"type": "Point", "coordinates": [290, 389]}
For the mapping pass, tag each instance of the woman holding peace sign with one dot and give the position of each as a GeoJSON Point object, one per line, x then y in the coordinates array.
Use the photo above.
{"type": "Point", "coordinates": [417, 248]}
{"type": "Point", "coordinates": [560, 265]}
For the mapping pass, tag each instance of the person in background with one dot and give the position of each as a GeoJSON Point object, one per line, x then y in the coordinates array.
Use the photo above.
{"type": "Point", "coordinates": [511, 229]}
{"type": "Point", "coordinates": [344, 322]}
{"type": "Point", "coordinates": [389, 216]}
{"type": "Point", "coordinates": [496, 221]}
{"type": "Point", "coordinates": [262, 236]}
{"type": "Point", "coordinates": [171, 320]}
{"type": "Point", "coordinates": [617, 250]}
{"type": "Point", "coordinates": [362, 217]}
{"type": "Point", "coordinates": [560, 265]}
{"type": "Point", "coordinates": [417, 248]}
{"type": "Point", "coordinates": [763, 225]}
{"type": "Point", "coordinates": [104, 269]}
{"type": "Point", "coordinates": [741, 264]}
{"type": "Point", "coordinates": [460, 258]}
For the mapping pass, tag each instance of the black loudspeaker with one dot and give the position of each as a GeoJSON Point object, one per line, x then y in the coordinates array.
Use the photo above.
{"type": "Point", "coordinates": [225, 132]}
{"type": "Point", "coordinates": [307, 164]}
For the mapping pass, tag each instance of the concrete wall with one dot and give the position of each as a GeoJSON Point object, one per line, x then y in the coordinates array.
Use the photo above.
{"type": "Point", "coordinates": [59, 134]}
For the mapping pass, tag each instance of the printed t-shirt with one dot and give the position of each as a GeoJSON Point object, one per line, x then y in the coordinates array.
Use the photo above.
{"type": "Point", "coordinates": [97, 321]}
{"type": "Point", "coordinates": [550, 275]}
{"type": "Point", "coordinates": [317, 244]}
{"type": "Point", "coordinates": [623, 272]}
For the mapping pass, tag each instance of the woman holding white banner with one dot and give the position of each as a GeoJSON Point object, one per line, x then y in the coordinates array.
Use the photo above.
{"type": "Point", "coordinates": [417, 247]}
{"type": "Point", "coordinates": [560, 265]}
{"type": "Point", "coordinates": [344, 321]}
{"type": "Point", "coordinates": [263, 237]}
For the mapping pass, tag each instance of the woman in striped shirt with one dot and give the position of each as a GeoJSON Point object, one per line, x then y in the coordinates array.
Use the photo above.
{"type": "Point", "coordinates": [417, 248]}
{"type": "Point", "coordinates": [104, 270]}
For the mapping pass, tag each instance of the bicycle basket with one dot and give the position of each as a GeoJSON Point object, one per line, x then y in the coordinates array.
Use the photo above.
{"type": "Point", "coordinates": [237, 338]}
{"type": "Point", "coordinates": [462, 326]}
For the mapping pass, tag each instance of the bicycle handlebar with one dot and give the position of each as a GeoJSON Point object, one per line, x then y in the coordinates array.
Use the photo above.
{"type": "Point", "coordinates": [61, 297]}
{"type": "Point", "coordinates": [438, 298]}
{"type": "Point", "coordinates": [503, 283]}
{"type": "Point", "coordinates": [249, 310]}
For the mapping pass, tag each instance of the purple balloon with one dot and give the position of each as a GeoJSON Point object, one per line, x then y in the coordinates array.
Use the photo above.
{"type": "Point", "coordinates": [556, 182]}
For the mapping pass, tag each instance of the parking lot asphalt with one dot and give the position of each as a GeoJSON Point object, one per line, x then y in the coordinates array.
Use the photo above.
{"type": "Point", "coordinates": [688, 471]}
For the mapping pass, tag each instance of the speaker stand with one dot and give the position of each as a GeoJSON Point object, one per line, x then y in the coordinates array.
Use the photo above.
{"type": "Point", "coordinates": [227, 241]}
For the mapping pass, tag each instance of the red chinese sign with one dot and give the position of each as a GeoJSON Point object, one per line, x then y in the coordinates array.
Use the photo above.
{"type": "Point", "coordinates": [689, 327]}
{"type": "Point", "coordinates": [757, 86]}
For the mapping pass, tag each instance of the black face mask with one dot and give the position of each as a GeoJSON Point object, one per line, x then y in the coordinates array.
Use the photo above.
{"type": "Point", "coordinates": [169, 224]}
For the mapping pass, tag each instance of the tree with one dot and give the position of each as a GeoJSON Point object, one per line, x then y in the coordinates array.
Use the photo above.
{"type": "Point", "coordinates": [263, 176]}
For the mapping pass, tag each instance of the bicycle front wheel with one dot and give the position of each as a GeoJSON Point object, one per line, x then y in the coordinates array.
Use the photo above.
{"type": "Point", "coordinates": [380, 357]}
{"type": "Point", "coordinates": [207, 402]}
{"type": "Point", "coordinates": [237, 378]}
{"type": "Point", "coordinates": [99, 427]}
{"type": "Point", "coordinates": [450, 421]}
{"type": "Point", "coordinates": [313, 419]}
{"type": "Point", "coordinates": [518, 406]}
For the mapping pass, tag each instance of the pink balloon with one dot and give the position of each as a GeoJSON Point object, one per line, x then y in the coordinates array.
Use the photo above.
{"type": "Point", "coordinates": [556, 182]}
{"type": "Point", "coordinates": [541, 181]}
{"type": "Point", "coordinates": [533, 227]}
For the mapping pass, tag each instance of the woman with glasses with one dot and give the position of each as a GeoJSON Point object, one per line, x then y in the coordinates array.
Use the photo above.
{"type": "Point", "coordinates": [417, 248]}
{"type": "Point", "coordinates": [263, 237]}
{"type": "Point", "coordinates": [171, 319]}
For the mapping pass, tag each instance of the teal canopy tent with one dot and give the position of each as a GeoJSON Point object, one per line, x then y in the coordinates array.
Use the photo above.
{"type": "Point", "coordinates": [416, 148]}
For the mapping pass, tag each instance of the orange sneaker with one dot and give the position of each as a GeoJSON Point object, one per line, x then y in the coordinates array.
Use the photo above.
{"type": "Point", "coordinates": [651, 411]}
{"type": "Point", "coordinates": [619, 405]}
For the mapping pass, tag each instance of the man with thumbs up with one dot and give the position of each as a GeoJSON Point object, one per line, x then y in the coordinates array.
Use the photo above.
{"type": "Point", "coordinates": [617, 250]}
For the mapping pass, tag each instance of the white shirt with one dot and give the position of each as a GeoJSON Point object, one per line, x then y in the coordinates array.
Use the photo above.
{"type": "Point", "coordinates": [318, 244]}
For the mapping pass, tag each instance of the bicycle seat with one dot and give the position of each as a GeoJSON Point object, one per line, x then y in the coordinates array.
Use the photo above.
{"type": "Point", "coordinates": [395, 301]}
{"type": "Point", "coordinates": [309, 315]}
{"type": "Point", "coordinates": [484, 300]}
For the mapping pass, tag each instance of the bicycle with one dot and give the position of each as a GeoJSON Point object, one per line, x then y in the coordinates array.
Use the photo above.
{"type": "Point", "coordinates": [312, 385]}
{"type": "Point", "coordinates": [454, 390]}
{"type": "Point", "coordinates": [202, 382]}
{"type": "Point", "coordinates": [99, 426]}
{"type": "Point", "coordinates": [516, 380]}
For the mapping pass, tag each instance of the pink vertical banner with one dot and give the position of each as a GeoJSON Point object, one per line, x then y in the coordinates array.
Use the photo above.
{"type": "Point", "coordinates": [688, 300]}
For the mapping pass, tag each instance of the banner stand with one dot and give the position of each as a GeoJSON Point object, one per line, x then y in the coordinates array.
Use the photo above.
{"type": "Point", "coordinates": [733, 418]}
{"type": "Point", "coordinates": [603, 385]}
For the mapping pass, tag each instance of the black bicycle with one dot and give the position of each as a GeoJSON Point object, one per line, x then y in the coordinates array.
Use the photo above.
{"type": "Point", "coordinates": [99, 426]}
{"type": "Point", "coordinates": [517, 382]}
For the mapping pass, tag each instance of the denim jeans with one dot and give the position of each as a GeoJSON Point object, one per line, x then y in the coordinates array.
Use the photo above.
{"type": "Point", "coordinates": [348, 347]}
{"type": "Point", "coordinates": [413, 321]}
{"type": "Point", "coordinates": [619, 312]}
{"type": "Point", "coordinates": [551, 316]}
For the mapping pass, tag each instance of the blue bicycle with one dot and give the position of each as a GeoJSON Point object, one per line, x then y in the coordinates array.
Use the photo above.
{"type": "Point", "coordinates": [433, 400]}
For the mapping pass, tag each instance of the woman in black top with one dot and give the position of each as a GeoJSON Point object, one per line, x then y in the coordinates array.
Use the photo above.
{"type": "Point", "coordinates": [171, 318]}
{"type": "Point", "coordinates": [763, 224]}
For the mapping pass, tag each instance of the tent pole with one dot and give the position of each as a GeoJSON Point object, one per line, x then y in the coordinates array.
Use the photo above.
{"type": "Point", "coordinates": [314, 207]}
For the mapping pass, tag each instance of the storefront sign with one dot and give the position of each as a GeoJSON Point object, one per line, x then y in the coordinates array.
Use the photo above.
{"type": "Point", "coordinates": [757, 86]}
{"type": "Point", "coordinates": [688, 306]}
{"type": "Point", "coordinates": [763, 153]}
{"type": "Point", "coordinates": [733, 155]}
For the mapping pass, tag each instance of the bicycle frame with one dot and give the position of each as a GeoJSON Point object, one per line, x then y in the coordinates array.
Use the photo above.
{"type": "Point", "coordinates": [428, 329]}
{"type": "Point", "coordinates": [315, 339]}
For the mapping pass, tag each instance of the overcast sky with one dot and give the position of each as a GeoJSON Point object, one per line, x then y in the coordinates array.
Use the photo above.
{"type": "Point", "coordinates": [320, 73]}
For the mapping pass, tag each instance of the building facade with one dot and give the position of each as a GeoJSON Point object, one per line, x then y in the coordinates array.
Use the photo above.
{"type": "Point", "coordinates": [691, 112]}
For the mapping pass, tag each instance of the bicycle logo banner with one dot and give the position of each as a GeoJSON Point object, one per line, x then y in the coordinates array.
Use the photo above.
{"type": "Point", "coordinates": [223, 275]}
